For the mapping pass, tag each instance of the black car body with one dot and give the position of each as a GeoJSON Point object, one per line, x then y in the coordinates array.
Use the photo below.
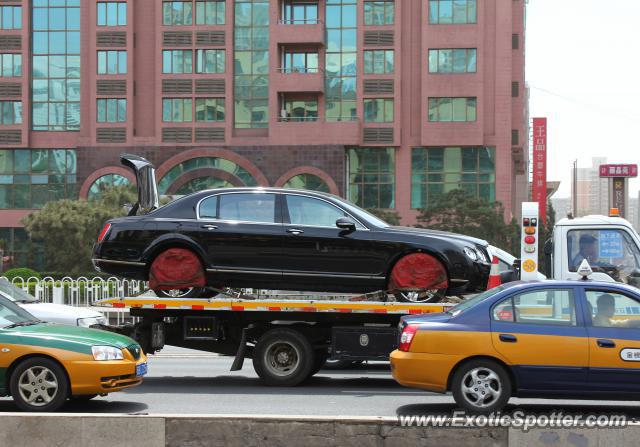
{"type": "Point", "coordinates": [274, 238]}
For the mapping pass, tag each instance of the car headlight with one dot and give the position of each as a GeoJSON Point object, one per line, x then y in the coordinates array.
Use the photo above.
{"type": "Point", "coordinates": [483, 255]}
{"type": "Point", "coordinates": [87, 322]}
{"type": "Point", "coordinates": [471, 253]}
{"type": "Point", "coordinates": [106, 353]}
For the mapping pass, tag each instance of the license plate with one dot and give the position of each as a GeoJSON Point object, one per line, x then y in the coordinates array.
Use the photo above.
{"type": "Point", "coordinates": [141, 369]}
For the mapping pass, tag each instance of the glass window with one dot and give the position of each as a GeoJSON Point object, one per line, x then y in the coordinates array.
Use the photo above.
{"type": "Point", "coordinates": [10, 17]}
{"type": "Point", "coordinates": [105, 182]}
{"type": "Point", "coordinates": [299, 12]}
{"type": "Point", "coordinates": [372, 177]}
{"type": "Point", "coordinates": [112, 62]}
{"type": "Point", "coordinates": [612, 309]}
{"type": "Point", "coordinates": [211, 12]}
{"type": "Point", "coordinates": [307, 181]}
{"type": "Point", "coordinates": [446, 12]}
{"type": "Point", "coordinates": [545, 306]}
{"type": "Point", "coordinates": [11, 112]}
{"type": "Point", "coordinates": [177, 13]}
{"type": "Point", "coordinates": [379, 13]}
{"type": "Point", "coordinates": [177, 61]}
{"type": "Point", "coordinates": [210, 109]}
{"type": "Point", "coordinates": [11, 65]}
{"type": "Point", "coordinates": [452, 109]}
{"type": "Point", "coordinates": [111, 110]}
{"type": "Point", "coordinates": [378, 61]}
{"type": "Point", "coordinates": [210, 61]}
{"type": "Point", "coordinates": [457, 60]}
{"type": "Point", "coordinates": [111, 14]}
{"type": "Point", "coordinates": [253, 207]}
{"type": "Point", "coordinates": [299, 110]}
{"type": "Point", "coordinates": [177, 110]}
{"type": "Point", "coordinates": [300, 62]}
{"type": "Point", "coordinates": [313, 212]}
{"type": "Point", "coordinates": [209, 208]}
{"type": "Point", "coordinates": [378, 110]}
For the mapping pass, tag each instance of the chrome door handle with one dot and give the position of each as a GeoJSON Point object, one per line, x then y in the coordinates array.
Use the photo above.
{"type": "Point", "coordinates": [295, 231]}
{"type": "Point", "coordinates": [210, 227]}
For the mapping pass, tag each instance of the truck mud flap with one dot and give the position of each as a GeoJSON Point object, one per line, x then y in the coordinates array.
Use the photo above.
{"type": "Point", "coordinates": [238, 361]}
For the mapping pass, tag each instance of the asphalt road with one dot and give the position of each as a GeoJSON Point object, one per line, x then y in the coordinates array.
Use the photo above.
{"type": "Point", "coordinates": [189, 382]}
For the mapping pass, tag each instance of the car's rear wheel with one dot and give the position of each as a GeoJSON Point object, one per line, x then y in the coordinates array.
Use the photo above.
{"type": "Point", "coordinates": [39, 384]}
{"type": "Point", "coordinates": [190, 292]}
{"type": "Point", "coordinates": [283, 357]}
{"type": "Point", "coordinates": [420, 296]}
{"type": "Point", "coordinates": [481, 386]}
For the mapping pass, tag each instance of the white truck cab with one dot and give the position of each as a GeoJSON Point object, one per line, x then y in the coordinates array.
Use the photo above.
{"type": "Point", "coordinates": [610, 245]}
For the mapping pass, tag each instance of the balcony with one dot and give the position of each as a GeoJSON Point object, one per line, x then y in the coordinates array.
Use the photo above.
{"type": "Point", "coordinates": [309, 32]}
{"type": "Point", "coordinates": [298, 80]}
{"type": "Point", "coordinates": [288, 131]}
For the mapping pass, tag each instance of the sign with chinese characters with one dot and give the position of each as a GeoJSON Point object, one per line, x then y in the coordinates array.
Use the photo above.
{"type": "Point", "coordinates": [619, 195]}
{"type": "Point", "coordinates": [618, 170]}
{"type": "Point", "coordinates": [630, 355]}
{"type": "Point", "coordinates": [611, 245]}
{"type": "Point", "coordinates": [539, 189]}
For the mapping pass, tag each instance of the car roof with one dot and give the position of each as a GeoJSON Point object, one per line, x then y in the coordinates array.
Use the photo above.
{"type": "Point", "coordinates": [266, 189]}
{"type": "Point", "coordinates": [524, 285]}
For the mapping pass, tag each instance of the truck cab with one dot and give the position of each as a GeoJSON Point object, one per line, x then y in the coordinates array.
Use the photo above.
{"type": "Point", "coordinates": [610, 245]}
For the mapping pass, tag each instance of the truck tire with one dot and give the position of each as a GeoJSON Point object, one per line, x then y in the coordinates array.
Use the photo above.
{"type": "Point", "coordinates": [283, 357]}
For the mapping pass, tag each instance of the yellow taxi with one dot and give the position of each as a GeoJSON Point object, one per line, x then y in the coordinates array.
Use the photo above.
{"type": "Point", "coordinates": [551, 339]}
{"type": "Point", "coordinates": [44, 364]}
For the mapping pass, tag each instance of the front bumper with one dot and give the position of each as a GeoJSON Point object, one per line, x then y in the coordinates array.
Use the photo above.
{"type": "Point", "coordinates": [99, 377]}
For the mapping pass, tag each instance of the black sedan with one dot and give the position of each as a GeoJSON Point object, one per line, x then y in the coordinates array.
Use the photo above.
{"type": "Point", "coordinates": [281, 239]}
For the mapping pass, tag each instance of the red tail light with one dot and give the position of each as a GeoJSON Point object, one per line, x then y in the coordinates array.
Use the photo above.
{"type": "Point", "coordinates": [104, 232]}
{"type": "Point", "coordinates": [406, 337]}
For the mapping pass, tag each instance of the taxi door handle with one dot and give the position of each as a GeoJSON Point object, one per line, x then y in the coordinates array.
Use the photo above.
{"type": "Point", "coordinates": [606, 343]}
{"type": "Point", "coordinates": [508, 338]}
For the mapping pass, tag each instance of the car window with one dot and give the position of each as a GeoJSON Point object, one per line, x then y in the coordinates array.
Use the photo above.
{"type": "Point", "coordinates": [546, 306]}
{"type": "Point", "coordinates": [209, 208]}
{"type": "Point", "coordinates": [14, 293]}
{"type": "Point", "coordinates": [612, 309]}
{"type": "Point", "coordinates": [310, 211]}
{"type": "Point", "coordinates": [250, 207]}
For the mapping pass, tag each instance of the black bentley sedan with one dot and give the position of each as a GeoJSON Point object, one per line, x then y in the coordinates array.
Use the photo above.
{"type": "Point", "coordinates": [281, 239]}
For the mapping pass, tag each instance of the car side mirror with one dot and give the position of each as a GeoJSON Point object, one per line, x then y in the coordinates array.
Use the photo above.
{"type": "Point", "coordinates": [346, 224]}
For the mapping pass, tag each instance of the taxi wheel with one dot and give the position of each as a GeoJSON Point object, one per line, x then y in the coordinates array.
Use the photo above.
{"type": "Point", "coordinates": [39, 384]}
{"type": "Point", "coordinates": [481, 386]}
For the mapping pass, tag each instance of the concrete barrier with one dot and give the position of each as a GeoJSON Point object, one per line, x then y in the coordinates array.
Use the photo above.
{"type": "Point", "coordinates": [90, 430]}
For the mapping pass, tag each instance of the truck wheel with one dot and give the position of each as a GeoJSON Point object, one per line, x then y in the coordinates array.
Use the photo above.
{"type": "Point", "coordinates": [39, 384]}
{"type": "Point", "coordinates": [283, 357]}
{"type": "Point", "coordinates": [481, 386]}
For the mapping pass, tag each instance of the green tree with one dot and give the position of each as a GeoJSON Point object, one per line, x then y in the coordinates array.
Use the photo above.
{"type": "Point", "coordinates": [390, 217]}
{"type": "Point", "coordinates": [69, 228]}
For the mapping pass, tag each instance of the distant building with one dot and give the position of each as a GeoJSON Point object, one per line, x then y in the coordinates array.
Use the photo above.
{"type": "Point", "coordinates": [633, 213]}
{"type": "Point", "coordinates": [593, 192]}
{"type": "Point", "coordinates": [562, 207]}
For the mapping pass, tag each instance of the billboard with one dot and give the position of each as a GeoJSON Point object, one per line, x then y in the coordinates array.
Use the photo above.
{"type": "Point", "coordinates": [619, 170]}
{"type": "Point", "coordinates": [539, 189]}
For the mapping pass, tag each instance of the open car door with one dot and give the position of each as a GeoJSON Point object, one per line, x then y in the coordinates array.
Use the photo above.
{"type": "Point", "coordinates": [145, 181]}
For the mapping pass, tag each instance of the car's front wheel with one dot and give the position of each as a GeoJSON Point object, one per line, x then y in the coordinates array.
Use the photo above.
{"type": "Point", "coordinates": [481, 386]}
{"type": "Point", "coordinates": [190, 292]}
{"type": "Point", "coordinates": [39, 384]}
{"type": "Point", "coordinates": [420, 296]}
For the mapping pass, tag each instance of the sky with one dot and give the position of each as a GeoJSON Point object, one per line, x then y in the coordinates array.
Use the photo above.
{"type": "Point", "coordinates": [583, 69]}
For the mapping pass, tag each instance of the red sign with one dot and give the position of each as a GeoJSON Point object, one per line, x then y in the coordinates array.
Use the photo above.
{"type": "Point", "coordinates": [539, 190]}
{"type": "Point", "coordinates": [618, 170]}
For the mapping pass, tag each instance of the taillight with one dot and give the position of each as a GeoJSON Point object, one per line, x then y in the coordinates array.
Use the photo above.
{"type": "Point", "coordinates": [406, 337]}
{"type": "Point", "coordinates": [104, 232]}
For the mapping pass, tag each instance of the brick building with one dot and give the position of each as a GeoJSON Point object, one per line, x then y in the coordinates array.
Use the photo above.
{"type": "Point", "coordinates": [387, 103]}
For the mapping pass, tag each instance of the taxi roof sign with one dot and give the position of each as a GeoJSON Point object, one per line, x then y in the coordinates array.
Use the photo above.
{"type": "Point", "coordinates": [585, 269]}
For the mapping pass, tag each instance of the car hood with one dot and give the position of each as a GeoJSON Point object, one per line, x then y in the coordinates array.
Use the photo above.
{"type": "Point", "coordinates": [59, 313]}
{"type": "Point", "coordinates": [438, 234]}
{"type": "Point", "coordinates": [69, 338]}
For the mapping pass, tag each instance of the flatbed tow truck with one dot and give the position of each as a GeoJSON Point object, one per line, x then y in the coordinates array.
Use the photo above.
{"type": "Point", "coordinates": [288, 340]}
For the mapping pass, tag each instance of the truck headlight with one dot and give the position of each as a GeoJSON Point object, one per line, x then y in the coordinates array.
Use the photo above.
{"type": "Point", "coordinates": [87, 322]}
{"type": "Point", "coordinates": [471, 253]}
{"type": "Point", "coordinates": [106, 353]}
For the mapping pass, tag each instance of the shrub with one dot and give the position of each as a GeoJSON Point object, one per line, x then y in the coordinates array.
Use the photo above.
{"type": "Point", "coordinates": [21, 272]}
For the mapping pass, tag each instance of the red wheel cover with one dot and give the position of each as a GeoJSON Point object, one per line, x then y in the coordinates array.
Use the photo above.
{"type": "Point", "coordinates": [418, 271]}
{"type": "Point", "coordinates": [176, 268]}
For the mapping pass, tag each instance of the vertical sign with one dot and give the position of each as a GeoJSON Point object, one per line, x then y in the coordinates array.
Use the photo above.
{"type": "Point", "coordinates": [539, 190]}
{"type": "Point", "coordinates": [619, 195]}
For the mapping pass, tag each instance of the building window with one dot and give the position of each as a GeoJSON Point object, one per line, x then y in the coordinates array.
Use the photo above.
{"type": "Point", "coordinates": [299, 110]}
{"type": "Point", "coordinates": [29, 178]}
{"type": "Point", "coordinates": [379, 13]}
{"type": "Point", "coordinates": [210, 61]}
{"type": "Point", "coordinates": [438, 170]}
{"type": "Point", "coordinates": [211, 12]}
{"type": "Point", "coordinates": [112, 14]}
{"type": "Point", "coordinates": [300, 62]}
{"type": "Point", "coordinates": [22, 251]}
{"type": "Point", "coordinates": [106, 182]}
{"type": "Point", "coordinates": [210, 109]}
{"type": "Point", "coordinates": [56, 65]}
{"type": "Point", "coordinates": [11, 17]}
{"type": "Point", "coordinates": [307, 181]}
{"type": "Point", "coordinates": [177, 110]}
{"type": "Point", "coordinates": [177, 13]}
{"type": "Point", "coordinates": [443, 12]}
{"type": "Point", "coordinates": [445, 110]}
{"type": "Point", "coordinates": [378, 61]}
{"type": "Point", "coordinates": [341, 56]}
{"type": "Point", "coordinates": [299, 13]}
{"type": "Point", "coordinates": [251, 62]}
{"type": "Point", "coordinates": [379, 110]}
{"type": "Point", "coordinates": [11, 65]}
{"type": "Point", "coordinates": [458, 60]}
{"type": "Point", "coordinates": [112, 110]}
{"type": "Point", "coordinates": [177, 61]}
{"type": "Point", "coordinates": [112, 62]}
{"type": "Point", "coordinates": [372, 177]}
{"type": "Point", "coordinates": [11, 112]}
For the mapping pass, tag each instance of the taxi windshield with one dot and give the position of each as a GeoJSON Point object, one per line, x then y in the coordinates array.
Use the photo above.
{"type": "Point", "coordinates": [15, 293]}
{"type": "Point", "coordinates": [12, 315]}
{"type": "Point", "coordinates": [475, 300]}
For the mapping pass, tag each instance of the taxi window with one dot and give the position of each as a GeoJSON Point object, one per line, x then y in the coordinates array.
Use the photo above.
{"type": "Point", "coordinates": [612, 309]}
{"type": "Point", "coordinates": [547, 306]}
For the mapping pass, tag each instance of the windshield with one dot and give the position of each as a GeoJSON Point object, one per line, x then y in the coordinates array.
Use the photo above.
{"type": "Point", "coordinates": [357, 211]}
{"type": "Point", "coordinates": [14, 293]}
{"type": "Point", "coordinates": [13, 315]}
{"type": "Point", "coordinates": [471, 302]}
